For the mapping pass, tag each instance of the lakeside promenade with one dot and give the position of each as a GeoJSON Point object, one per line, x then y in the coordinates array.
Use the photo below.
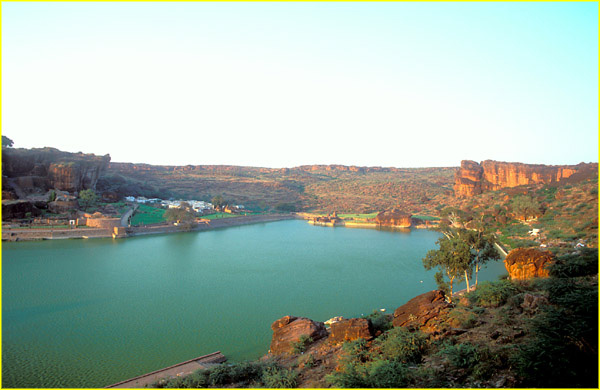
{"type": "Point", "coordinates": [123, 232]}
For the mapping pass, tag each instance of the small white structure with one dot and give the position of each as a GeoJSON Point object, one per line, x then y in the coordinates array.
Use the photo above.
{"type": "Point", "coordinates": [534, 232]}
{"type": "Point", "coordinates": [130, 198]}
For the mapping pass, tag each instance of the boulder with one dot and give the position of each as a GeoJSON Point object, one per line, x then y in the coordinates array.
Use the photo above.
{"type": "Point", "coordinates": [351, 329]}
{"type": "Point", "coordinates": [420, 310]}
{"type": "Point", "coordinates": [63, 206]}
{"type": "Point", "coordinates": [394, 217]}
{"type": "Point", "coordinates": [16, 209]}
{"type": "Point", "coordinates": [525, 263]}
{"type": "Point", "coordinates": [288, 330]}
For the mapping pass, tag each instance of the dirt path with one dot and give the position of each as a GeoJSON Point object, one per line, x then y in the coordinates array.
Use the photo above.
{"type": "Point", "coordinates": [128, 214]}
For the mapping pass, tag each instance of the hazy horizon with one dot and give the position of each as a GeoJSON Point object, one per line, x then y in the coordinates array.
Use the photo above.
{"type": "Point", "coordinates": [280, 85]}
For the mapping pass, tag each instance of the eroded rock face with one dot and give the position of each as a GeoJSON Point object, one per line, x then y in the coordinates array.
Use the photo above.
{"type": "Point", "coordinates": [63, 206]}
{"type": "Point", "coordinates": [473, 178]}
{"type": "Point", "coordinates": [351, 329]}
{"type": "Point", "coordinates": [41, 169]}
{"type": "Point", "coordinates": [394, 217]}
{"type": "Point", "coordinates": [525, 263]}
{"type": "Point", "coordinates": [288, 330]}
{"type": "Point", "coordinates": [420, 310]}
{"type": "Point", "coordinates": [13, 209]}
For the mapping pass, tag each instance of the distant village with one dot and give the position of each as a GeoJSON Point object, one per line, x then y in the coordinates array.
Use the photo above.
{"type": "Point", "coordinates": [198, 206]}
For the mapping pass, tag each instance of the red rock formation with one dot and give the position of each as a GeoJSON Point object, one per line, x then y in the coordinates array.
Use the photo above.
{"type": "Point", "coordinates": [287, 330]}
{"type": "Point", "coordinates": [525, 263]}
{"type": "Point", "coordinates": [420, 310]}
{"type": "Point", "coordinates": [473, 178]}
{"type": "Point", "coordinates": [467, 180]}
{"type": "Point", "coordinates": [351, 329]}
{"type": "Point", "coordinates": [394, 217]}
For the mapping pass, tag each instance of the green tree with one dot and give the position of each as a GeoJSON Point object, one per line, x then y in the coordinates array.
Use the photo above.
{"type": "Point", "coordinates": [7, 142]}
{"type": "Point", "coordinates": [218, 201]}
{"type": "Point", "coordinates": [481, 243]}
{"type": "Point", "coordinates": [525, 207]}
{"type": "Point", "coordinates": [179, 215]}
{"type": "Point", "coordinates": [88, 198]}
{"type": "Point", "coordinates": [453, 258]}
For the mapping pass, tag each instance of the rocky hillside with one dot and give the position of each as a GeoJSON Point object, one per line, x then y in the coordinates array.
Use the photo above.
{"type": "Point", "coordinates": [473, 178]}
{"type": "Point", "coordinates": [26, 171]}
{"type": "Point", "coordinates": [322, 188]}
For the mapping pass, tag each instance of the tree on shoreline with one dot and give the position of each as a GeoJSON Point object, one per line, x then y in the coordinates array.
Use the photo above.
{"type": "Point", "coordinates": [179, 215]}
{"type": "Point", "coordinates": [453, 258]}
{"type": "Point", "coordinates": [460, 252]}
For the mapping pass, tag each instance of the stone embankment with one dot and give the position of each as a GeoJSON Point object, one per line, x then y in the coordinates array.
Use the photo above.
{"type": "Point", "coordinates": [121, 232]}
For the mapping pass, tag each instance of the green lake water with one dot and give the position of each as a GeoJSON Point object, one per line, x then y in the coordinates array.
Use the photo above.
{"type": "Point", "coordinates": [88, 313]}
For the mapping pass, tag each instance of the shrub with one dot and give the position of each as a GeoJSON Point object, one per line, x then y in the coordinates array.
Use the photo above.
{"type": "Point", "coordinates": [381, 322]}
{"type": "Point", "coordinates": [463, 355]}
{"type": "Point", "coordinates": [302, 343]}
{"type": "Point", "coordinates": [463, 318]}
{"type": "Point", "coordinates": [563, 351]}
{"type": "Point", "coordinates": [582, 264]}
{"type": "Point", "coordinates": [376, 374]}
{"type": "Point", "coordinates": [280, 378]}
{"type": "Point", "coordinates": [219, 376]}
{"type": "Point", "coordinates": [401, 345]}
{"type": "Point", "coordinates": [492, 294]}
{"type": "Point", "coordinates": [387, 374]}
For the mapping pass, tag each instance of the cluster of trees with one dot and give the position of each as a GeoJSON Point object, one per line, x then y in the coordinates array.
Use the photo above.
{"type": "Point", "coordinates": [461, 252]}
{"type": "Point", "coordinates": [184, 213]}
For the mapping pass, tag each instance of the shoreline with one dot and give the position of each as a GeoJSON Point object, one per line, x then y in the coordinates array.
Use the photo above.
{"type": "Point", "coordinates": [16, 235]}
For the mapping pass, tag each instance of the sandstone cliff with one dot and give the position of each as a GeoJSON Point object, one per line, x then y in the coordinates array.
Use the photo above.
{"type": "Point", "coordinates": [37, 170]}
{"type": "Point", "coordinates": [473, 178]}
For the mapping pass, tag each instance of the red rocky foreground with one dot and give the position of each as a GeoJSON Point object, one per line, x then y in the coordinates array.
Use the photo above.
{"type": "Point", "coordinates": [418, 312]}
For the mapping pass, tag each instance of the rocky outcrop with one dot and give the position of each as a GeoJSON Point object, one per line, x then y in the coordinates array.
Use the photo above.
{"type": "Point", "coordinates": [351, 329]}
{"type": "Point", "coordinates": [37, 170]}
{"type": "Point", "coordinates": [421, 310]}
{"type": "Point", "coordinates": [467, 180]}
{"type": "Point", "coordinates": [394, 217]}
{"type": "Point", "coordinates": [17, 209]}
{"type": "Point", "coordinates": [288, 330]}
{"type": "Point", "coordinates": [473, 178]}
{"type": "Point", "coordinates": [525, 263]}
{"type": "Point", "coordinates": [63, 206]}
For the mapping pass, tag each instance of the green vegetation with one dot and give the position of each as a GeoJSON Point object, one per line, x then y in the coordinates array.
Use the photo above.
{"type": "Point", "coordinates": [7, 142]}
{"type": "Point", "coordinates": [247, 374]}
{"type": "Point", "coordinates": [381, 322]}
{"type": "Point", "coordinates": [146, 215]}
{"type": "Point", "coordinates": [384, 365]}
{"type": "Point", "coordinates": [302, 343]}
{"type": "Point", "coordinates": [220, 215]}
{"type": "Point", "coordinates": [539, 333]}
{"type": "Point", "coordinates": [492, 294]}
{"type": "Point", "coordinates": [88, 198]}
{"type": "Point", "coordinates": [286, 207]}
{"type": "Point", "coordinates": [563, 351]}
{"type": "Point", "coordinates": [179, 215]}
{"type": "Point", "coordinates": [358, 216]}
{"type": "Point", "coordinates": [453, 259]}
{"type": "Point", "coordinates": [426, 217]}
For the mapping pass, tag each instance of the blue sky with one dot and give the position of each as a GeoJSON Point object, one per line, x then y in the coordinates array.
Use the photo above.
{"type": "Point", "coordinates": [286, 84]}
